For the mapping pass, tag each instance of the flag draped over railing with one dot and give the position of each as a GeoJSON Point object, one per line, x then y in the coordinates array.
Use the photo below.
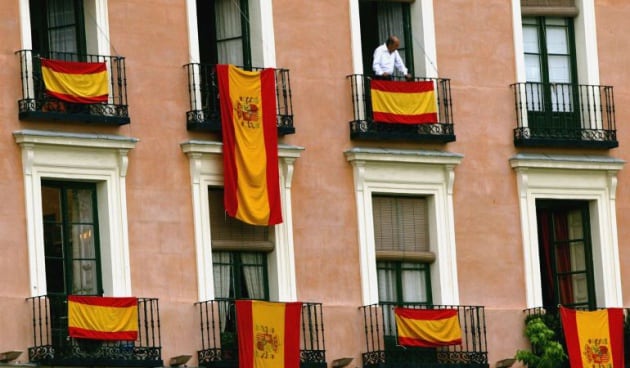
{"type": "Point", "coordinates": [427, 327]}
{"type": "Point", "coordinates": [594, 338]}
{"type": "Point", "coordinates": [103, 318]}
{"type": "Point", "coordinates": [250, 145]}
{"type": "Point", "coordinates": [403, 102]}
{"type": "Point", "coordinates": [268, 334]}
{"type": "Point", "coordinates": [73, 81]}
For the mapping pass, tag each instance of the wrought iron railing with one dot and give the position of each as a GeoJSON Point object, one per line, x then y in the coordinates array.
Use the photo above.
{"type": "Point", "coordinates": [52, 346]}
{"type": "Point", "coordinates": [205, 114]}
{"type": "Point", "coordinates": [36, 105]}
{"type": "Point", "coordinates": [219, 337]}
{"type": "Point", "coordinates": [364, 127]}
{"type": "Point", "coordinates": [564, 115]}
{"type": "Point", "coordinates": [383, 350]}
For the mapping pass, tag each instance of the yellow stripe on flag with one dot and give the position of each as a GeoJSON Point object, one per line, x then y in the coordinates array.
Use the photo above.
{"type": "Point", "coordinates": [594, 336]}
{"type": "Point", "coordinates": [269, 320]}
{"type": "Point", "coordinates": [250, 155]}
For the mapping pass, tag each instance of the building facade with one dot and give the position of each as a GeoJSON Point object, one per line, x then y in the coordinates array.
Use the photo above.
{"type": "Point", "coordinates": [512, 202]}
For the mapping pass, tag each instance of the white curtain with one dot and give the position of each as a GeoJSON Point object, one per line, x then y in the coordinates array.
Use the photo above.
{"type": "Point", "coordinates": [62, 35]}
{"type": "Point", "coordinates": [83, 246]}
{"type": "Point", "coordinates": [413, 284]}
{"type": "Point", "coordinates": [253, 275]}
{"type": "Point", "coordinates": [387, 293]}
{"type": "Point", "coordinates": [228, 28]}
{"type": "Point", "coordinates": [221, 270]}
{"type": "Point", "coordinates": [390, 22]}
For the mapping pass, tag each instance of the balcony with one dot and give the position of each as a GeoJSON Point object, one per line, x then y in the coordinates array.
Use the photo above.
{"type": "Point", "coordinates": [220, 339]}
{"type": "Point", "coordinates": [363, 126]}
{"type": "Point", "coordinates": [52, 346]}
{"type": "Point", "coordinates": [383, 350]}
{"type": "Point", "coordinates": [564, 115]}
{"type": "Point", "coordinates": [36, 105]}
{"type": "Point", "coordinates": [205, 114]}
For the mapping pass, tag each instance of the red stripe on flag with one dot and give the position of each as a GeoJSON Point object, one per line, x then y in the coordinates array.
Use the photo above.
{"type": "Point", "coordinates": [230, 173]}
{"type": "Point", "coordinates": [74, 67]}
{"type": "Point", "coordinates": [104, 301]}
{"type": "Point", "coordinates": [385, 117]}
{"type": "Point", "coordinates": [569, 327]}
{"type": "Point", "coordinates": [83, 333]}
{"type": "Point", "coordinates": [245, 325]}
{"type": "Point", "coordinates": [615, 325]}
{"type": "Point", "coordinates": [268, 92]}
{"type": "Point", "coordinates": [292, 314]}
{"type": "Point", "coordinates": [401, 87]}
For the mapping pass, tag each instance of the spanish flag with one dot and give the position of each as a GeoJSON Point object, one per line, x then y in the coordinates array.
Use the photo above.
{"type": "Point", "coordinates": [102, 318]}
{"type": "Point", "coordinates": [594, 338]}
{"type": "Point", "coordinates": [250, 145]}
{"type": "Point", "coordinates": [427, 327]}
{"type": "Point", "coordinates": [403, 102]}
{"type": "Point", "coordinates": [74, 81]}
{"type": "Point", "coordinates": [268, 334]}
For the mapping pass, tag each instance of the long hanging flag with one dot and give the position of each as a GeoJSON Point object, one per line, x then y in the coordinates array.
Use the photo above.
{"type": "Point", "coordinates": [103, 318]}
{"type": "Point", "coordinates": [75, 81]}
{"type": "Point", "coordinates": [268, 334]}
{"type": "Point", "coordinates": [594, 338]}
{"type": "Point", "coordinates": [427, 327]}
{"type": "Point", "coordinates": [250, 145]}
{"type": "Point", "coordinates": [403, 102]}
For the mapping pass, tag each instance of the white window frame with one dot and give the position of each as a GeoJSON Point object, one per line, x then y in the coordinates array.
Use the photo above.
{"type": "Point", "coordinates": [206, 170]}
{"type": "Point", "coordinates": [101, 159]}
{"type": "Point", "coordinates": [411, 172]}
{"type": "Point", "coordinates": [586, 178]}
{"type": "Point", "coordinates": [423, 28]}
{"type": "Point", "coordinates": [585, 49]}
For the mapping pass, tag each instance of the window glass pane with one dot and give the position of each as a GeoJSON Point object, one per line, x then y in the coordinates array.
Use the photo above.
{"type": "Point", "coordinates": [557, 41]}
{"type": "Point", "coordinates": [530, 39]}
{"type": "Point", "coordinates": [221, 267]}
{"type": "Point", "coordinates": [386, 282]}
{"type": "Point", "coordinates": [228, 32]}
{"type": "Point", "coordinates": [559, 71]}
{"type": "Point", "coordinates": [62, 35]}
{"type": "Point", "coordinates": [414, 283]}
{"type": "Point", "coordinates": [253, 273]}
{"type": "Point", "coordinates": [532, 68]}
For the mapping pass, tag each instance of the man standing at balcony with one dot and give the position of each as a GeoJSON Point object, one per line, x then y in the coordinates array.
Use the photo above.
{"type": "Point", "coordinates": [387, 59]}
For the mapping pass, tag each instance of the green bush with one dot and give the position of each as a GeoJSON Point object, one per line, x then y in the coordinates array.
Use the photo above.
{"type": "Point", "coordinates": [546, 352]}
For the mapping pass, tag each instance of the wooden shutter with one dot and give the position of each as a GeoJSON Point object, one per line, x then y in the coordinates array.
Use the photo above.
{"type": "Point", "coordinates": [231, 234]}
{"type": "Point", "coordinates": [561, 8]}
{"type": "Point", "coordinates": [401, 228]}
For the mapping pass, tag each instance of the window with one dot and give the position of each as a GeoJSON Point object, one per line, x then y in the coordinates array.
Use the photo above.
{"type": "Point", "coordinates": [569, 229]}
{"type": "Point", "coordinates": [76, 212]}
{"type": "Point", "coordinates": [71, 244]}
{"type": "Point", "coordinates": [239, 253]}
{"type": "Point", "coordinates": [379, 20]}
{"type": "Point", "coordinates": [223, 29]}
{"type": "Point", "coordinates": [402, 249]}
{"type": "Point", "coordinates": [406, 231]}
{"type": "Point", "coordinates": [411, 21]}
{"type": "Point", "coordinates": [233, 237]}
{"type": "Point", "coordinates": [71, 238]}
{"type": "Point", "coordinates": [565, 253]}
{"type": "Point", "coordinates": [551, 69]}
{"type": "Point", "coordinates": [57, 26]}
